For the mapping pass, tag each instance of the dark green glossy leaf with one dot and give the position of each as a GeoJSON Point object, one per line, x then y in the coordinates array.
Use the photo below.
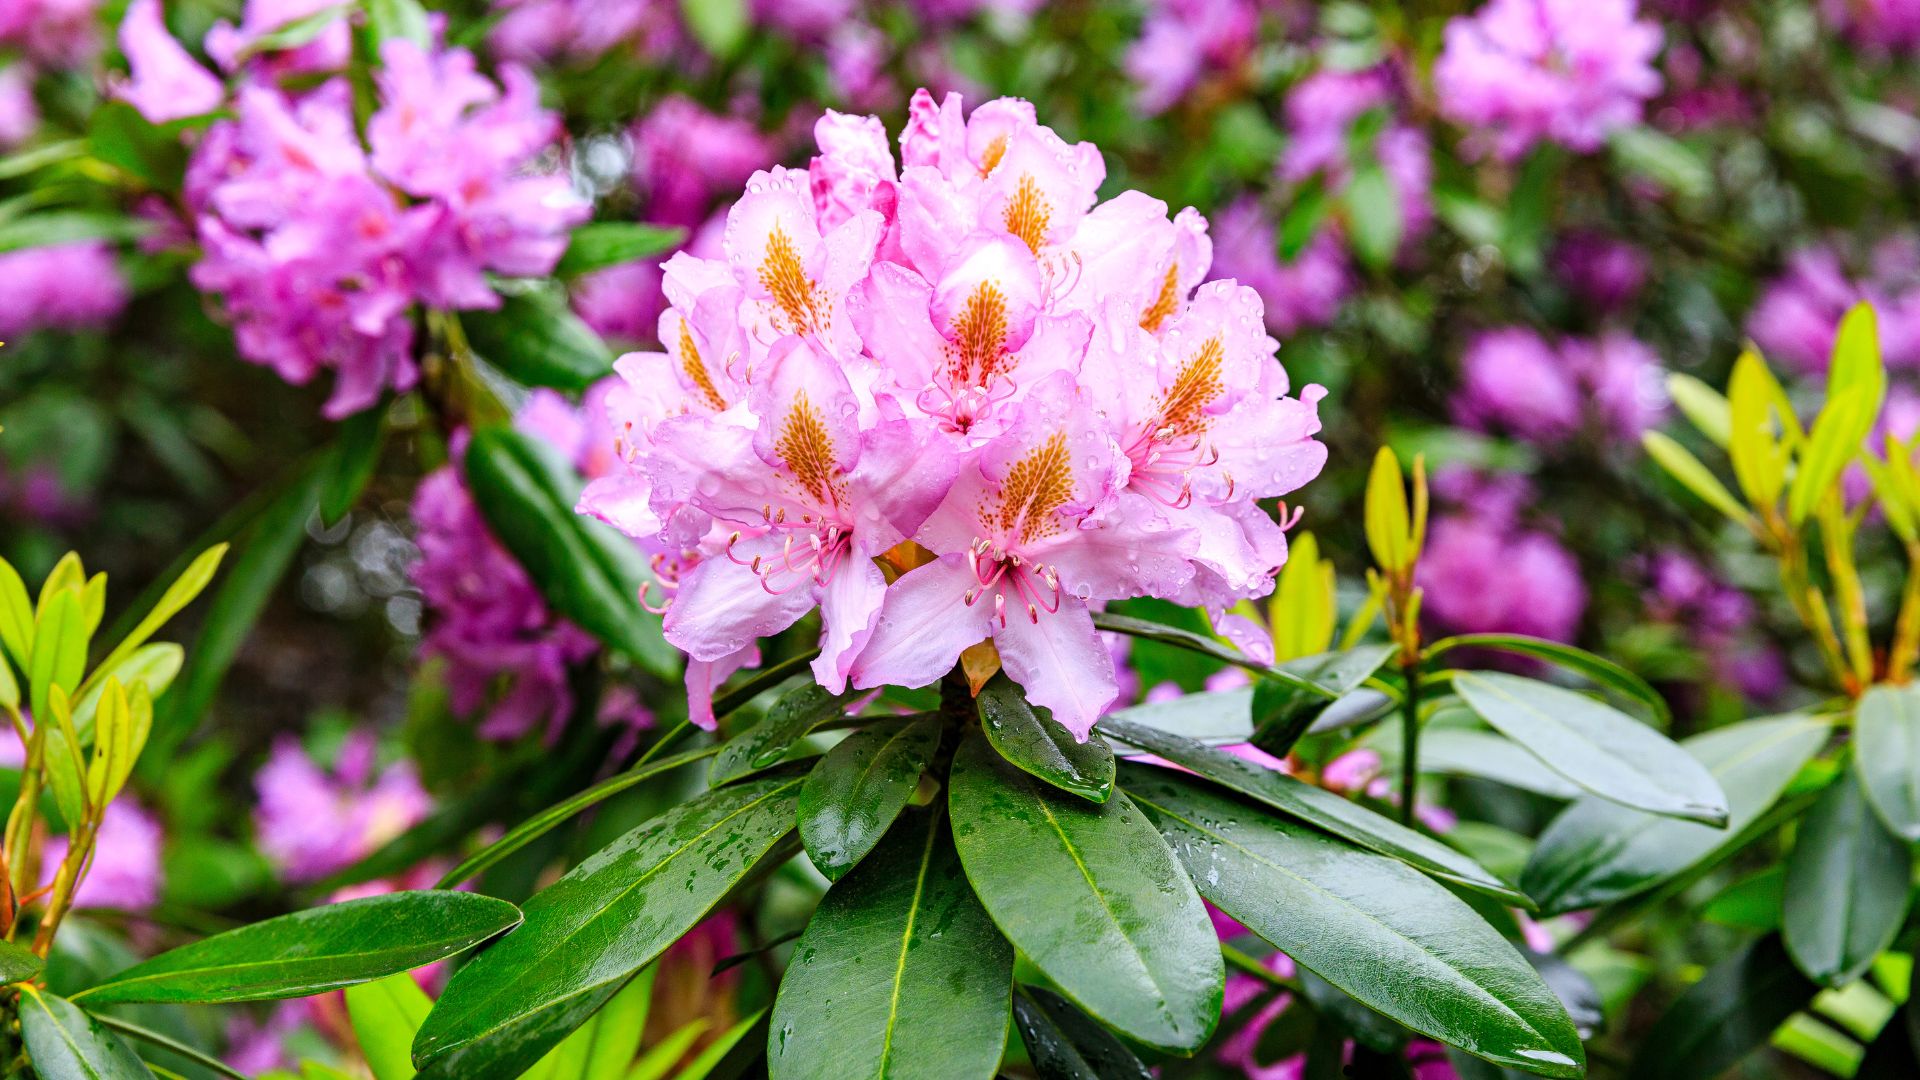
{"type": "Point", "coordinates": [17, 964]}
{"type": "Point", "coordinates": [1596, 852]}
{"type": "Point", "coordinates": [1282, 713]}
{"type": "Point", "coordinates": [854, 793]}
{"type": "Point", "coordinates": [546, 820]}
{"type": "Point", "coordinates": [588, 932]}
{"type": "Point", "coordinates": [1397, 942]}
{"type": "Point", "coordinates": [508, 1050]}
{"type": "Point", "coordinates": [1846, 887]}
{"type": "Point", "coordinates": [1596, 746]}
{"type": "Point", "coordinates": [362, 436]}
{"type": "Point", "coordinates": [1576, 992]}
{"type": "Point", "coordinates": [539, 341]}
{"type": "Point", "coordinates": [263, 549]}
{"type": "Point", "coordinates": [311, 952]}
{"type": "Point", "coordinates": [1364, 1025]}
{"type": "Point", "coordinates": [600, 244]}
{"type": "Point", "coordinates": [588, 572]}
{"type": "Point", "coordinates": [900, 973]}
{"type": "Point", "coordinates": [168, 1043]}
{"type": "Point", "coordinates": [1318, 807]}
{"type": "Point", "coordinates": [1063, 1043]}
{"type": "Point", "coordinates": [1090, 893]}
{"type": "Point", "coordinates": [764, 745]}
{"type": "Point", "coordinates": [1483, 754]}
{"type": "Point", "coordinates": [1205, 646]}
{"type": "Point", "coordinates": [1886, 727]}
{"type": "Point", "coordinates": [1030, 738]}
{"type": "Point", "coordinates": [1725, 1016]}
{"type": "Point", "coordinates": [67, 1044]}
{"type": "Point", "coordinates": [1599, 669]}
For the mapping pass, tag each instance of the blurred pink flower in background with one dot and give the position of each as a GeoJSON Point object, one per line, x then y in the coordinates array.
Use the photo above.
{"type": "Point", "coordinates": [1601, 271]}
{"type": "Point", "coordinates": [1486, 574]}
{"type": "Point", "coordinates": [1883, 25]}
{"type": "Point", "coordinates": [1795, 319]}
{"type": "Point", "coordinates": [684, 157]}
{"type": "Point", "coordinates": [312, 820]}
{"type": "Point", "coordinates": [1299, 295]}
{"type": "Point", "coordinates": [1184, 40]}
{"type": "Point", "coordinates": [72, 286]}
{"type": "Point", "coordinates": [1517, 72]}
{"type": "Point", "coordinates": [56, 33]}
{"type": "Point", "coordinates": [1515, 381]}
{"type": "Point", "coordinates": [125, 872]}
{"type": "Point", "coordinates": [19, 113]}
{"type": "Point", "coordinates": [167, 84]}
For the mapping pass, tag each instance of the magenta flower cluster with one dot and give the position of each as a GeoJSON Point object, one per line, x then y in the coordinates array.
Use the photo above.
{"type": "Point", "coordinates": [1515, 382]}
{"type": "Point", "coordinates": [960, 349]}
{"type": "Point", "coordinates": [1795, 319]}
{"type": "Point", "coordinates": [321, 245]}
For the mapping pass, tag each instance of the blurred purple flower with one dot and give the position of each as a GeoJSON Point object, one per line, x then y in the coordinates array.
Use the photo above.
{"type": "Point", "coordinates": [856, 55]}
{"type": "Point", "coordinates": [1488, 575]}
{"type": "Point", "coordinates": [1880, 25]}
{"type": "Point", "coordinates": [684, 155]}
{"type": "Point", "coordinates": [809, 20]}
{"type": "Point", "coordinates": [1568, 71]}
{"type": "Point", "coordinates": [58, 33]}
{"type": "Point", "coordinates": [1717, 618]}
{"type": "Point", "coordinates": [72, 286]}
{"type": "Point", "coordinates": [1183, 40]}
{"type": "Point", "coordinates": [1321, 110]}
{"type": "Point", "coordinates": [168, 84]}
{"type": "Point", "coordinates": [258, 1044]}
{"type": "Point", "coordinates": [1622, 381]}
{"type": "Point", "coordinates": [312, 820]}
{"type": "Point", "coordinates": [1512, 380]}
{"type": "Point", "coordinates": [1298, 295]}
{"type": "Point", "coordinates": [229, 45]}
{"type": "Point", "coordinates": [1601, 271]}
{"type": "Point", "coordinates": [125, 872]}
{"type": "Point", "coordinates": [1795, 319]}
{"type": "Point", "coordinates": [19, 114]}
{"type": "Point", "coordinates": [532, 31]}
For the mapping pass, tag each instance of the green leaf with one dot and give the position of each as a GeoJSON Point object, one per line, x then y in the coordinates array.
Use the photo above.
{"type": "Point", "coordinates": [1600, 748]}
{"type": "Point", "coordinates": [900, 972]}
{"type": "Point", "coordinates": [729, 1054]}
{"type": "Point", "coordinates": [1834, 442]}
{"type": "Point", "coordinates": [153, 666]}
{"type": "Point", "coordinates": [385, 1013]}
{"type": "Point", "coordinates": [266, 547]}
{"type": "Point", "coordinates": [18, 965]}
{"type": "Point", "coordinates": [168, 1043]}
{"type": "Point", "coordinates": [720, 26]}
{"type": "Point", "coordinates": [1282, 714]}
{"type": "Point", "coordinates": [600, 244]}
{"type": "Point", "coordinates": [1653, 154]}
{"type": "Point", "coordinates": [1685, 468]}
{"type": "Point", "coordinates": [1090, 893]}
{"type": "Point", "coordinates": [1596, 852]}
{"type": "Point", "coordinates": [1064, 1044]}
{"type": "Point", "coordinates": [296, 32]}
{"type": "Point", "coordinates": [311, 952]}
{"type": "Point", "coordinates": [588, 572]}
{"type": "Point", "coordinates": [1030, 738]}
{"type": "Point", "coordinates": [852, 796]}
{"type": "Point", "coordinates": [16, 615]}
{"type": "Point", "coordinates": [399, 19]}
{"type": "Point", "coordinates": [362, 436]}
{"type": "Point", "coordinates": [1596, 669]}
{"type": "Point", "coordinates": [1380, 931]}
{"type": "Point", "coordinates": [1725, 1016]}
{"type": "Point", "coordinates": [537, 339]}
{"type": "Point", "coordinates": [1846, 888]}
{"type": "Point", "coordinates": [68, 226]}
{"type": "Point", "coordinates": [618, 1028]}
{"type": "Point", "coordinates": [59, 651]}
{"type": "Point", "coordinates": [1886, 727]}
{"type": "Point", "coordinates": [1482, 754]}
{"type": "Point", "coordinates": [1205, 646]}
{"type": "Point", "coordinates": [607, 918]}
{"type": "Point", "coordinates": [67, 1044]}
{"type": "Point", "coordinates": [763, 746]}
{"type": "Point", "coordinates": [1387, 521]}
{"type": "Point", "coordinates": [195, 578]}
{"type": "Point", "coordinates": [118, 135]}
{"type": "Point", "coordinates": [662, 1056]}
{"type": "Point", "coordinates": [519, 1048]}
{"type": "Point", "coordinates": [1373, 215]}
{"type": "Point", "coordinates": [1706, 408]}
{"type": "Point", "coordinates": [543, 822]}
{"type": "Point", "coordinates": [1318, 807]}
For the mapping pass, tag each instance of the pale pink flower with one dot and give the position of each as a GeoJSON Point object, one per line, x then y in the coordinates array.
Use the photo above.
{"type": "Point", "coordinates": [167, 84]}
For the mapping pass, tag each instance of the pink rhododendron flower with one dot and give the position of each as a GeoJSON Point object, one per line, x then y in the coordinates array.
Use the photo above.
{"type": "Point", "coordinates": [1299, 295]}
{"type": "Point", "coordinates": [229, 45]}
{"type": "Point", "coordinates": [684, 157]}
{"type": "Point", "coordinates": [19, 113]}
{"type": "Point", "coordinates": [124, 874]}
{"type": "Point", "coordinates": [1485, 574]}
{"type": "Point", "coordinates": [962, 350]}
{"type": "Point", "coordinates": [1795, 319]}
{"type": "Point", "coordinates": [312, 820]}
{"type": "Point", "coordinates": [73, 286]}
{"type": "Point", "coordinates": [168, 84]}
{"type": "Point", "coordinates": [58, 33]}
{"type": "Point", "coordinates": [1517, 72]}
{"type": "Point", "coordinates": [1882, 25]}
{"type": "Point", "coordinates": [531, 31]}
{"type": "Point", "coordinates": [1184, 40]}
{"type": "Point", "coordinates": [1321, 111]}
{"type": "Point", "coordinates": [1515, 381]}
{"type": "Point", "coordinates": [1600, 270]}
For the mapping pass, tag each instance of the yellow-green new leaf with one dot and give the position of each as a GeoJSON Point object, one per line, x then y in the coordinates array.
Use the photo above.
{"type": "Point", "coordinates": [1759, 458]}
{"type": "Point", "coordinates": [66, 770]}
{"type": "Point", "coordinates": [1887, 488]}
{"type": "Point", "coordinates": [151, 666]}
{"type": "Point", "coordinates": [1302, 611]}
{"type": "Point", "coordinates": [121, 730]}
{"type": "Point", "coordinates": [1386, 513]}
{"type": "Point", "coordinates": [1685, 468]}
{"type": "Point", "coordinates": [178, 595]}
{"type": "Point", "coordinates": [1856, 357]}
{"type": "Point", "coordinates": [9, 687]}
{"type": "Point", "coordinates": [16, 614]}
{"type": "Point", "coordinates": [1837, 436]}
{"type": "Point", "coordinates": [93, 602]}
{"type": "Point", "coordinates": [68, 573]}
{"type": "Point", "coordinates": [1702, 405]}
{"type": "Point", "coordinates": [59, 649]}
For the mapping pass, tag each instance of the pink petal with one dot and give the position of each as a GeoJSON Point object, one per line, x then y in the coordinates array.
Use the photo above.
{"type": "Point", "coordinates": [1061, 662]}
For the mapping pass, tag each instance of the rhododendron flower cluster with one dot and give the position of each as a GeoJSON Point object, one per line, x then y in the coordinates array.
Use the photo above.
{"type": "Point", "coordinates": [320, 245]}
{"type": "Point", "coordinates": [959, 369]}
{"type": "Point", "coordinates": [313, 820]}
{"type": "Point", "coordinates": [1517, 382]}
{"type": "Point", "coordinates": [1565, 71]}
{"type": "Point", "coordinates": [1795, 319]}
{"type": "Point", "coordinates": [71, 286]}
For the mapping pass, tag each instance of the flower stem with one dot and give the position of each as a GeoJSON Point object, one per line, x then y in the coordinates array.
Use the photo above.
{"type": "Point", "coordinates": [1409, 741]}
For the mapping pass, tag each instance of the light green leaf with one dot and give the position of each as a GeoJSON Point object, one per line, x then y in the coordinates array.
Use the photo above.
{"type": "Point", "coordinates": [385, 1013]}
{"type": "Point", "coordinates": [1702, 405]}
{"type": "Point", "coordinates": [600, 244]}
{"type": "Point", "coordinates": [1685, 468]}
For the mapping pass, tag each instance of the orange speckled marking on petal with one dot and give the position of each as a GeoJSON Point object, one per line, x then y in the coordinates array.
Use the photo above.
{"type": "Point", "coordinates": [807, 448]}
{"type": "Point", "coordinates": [1029, 213]}
{"type": "Point", "coordinates": [1165, 304]}
{"type": "Point", "coordinates": [787, 282]}
{"type": "Point", "coordinates": [1036, 487]}
{"type": "Point", "coordinates": [1183, 408]}
{"type": "Point", "coordinates": [694, 366]}
{"type": "Point", "coordinates": [990, 157]}
{"type": "Point", "coordinates": [979, 349]}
